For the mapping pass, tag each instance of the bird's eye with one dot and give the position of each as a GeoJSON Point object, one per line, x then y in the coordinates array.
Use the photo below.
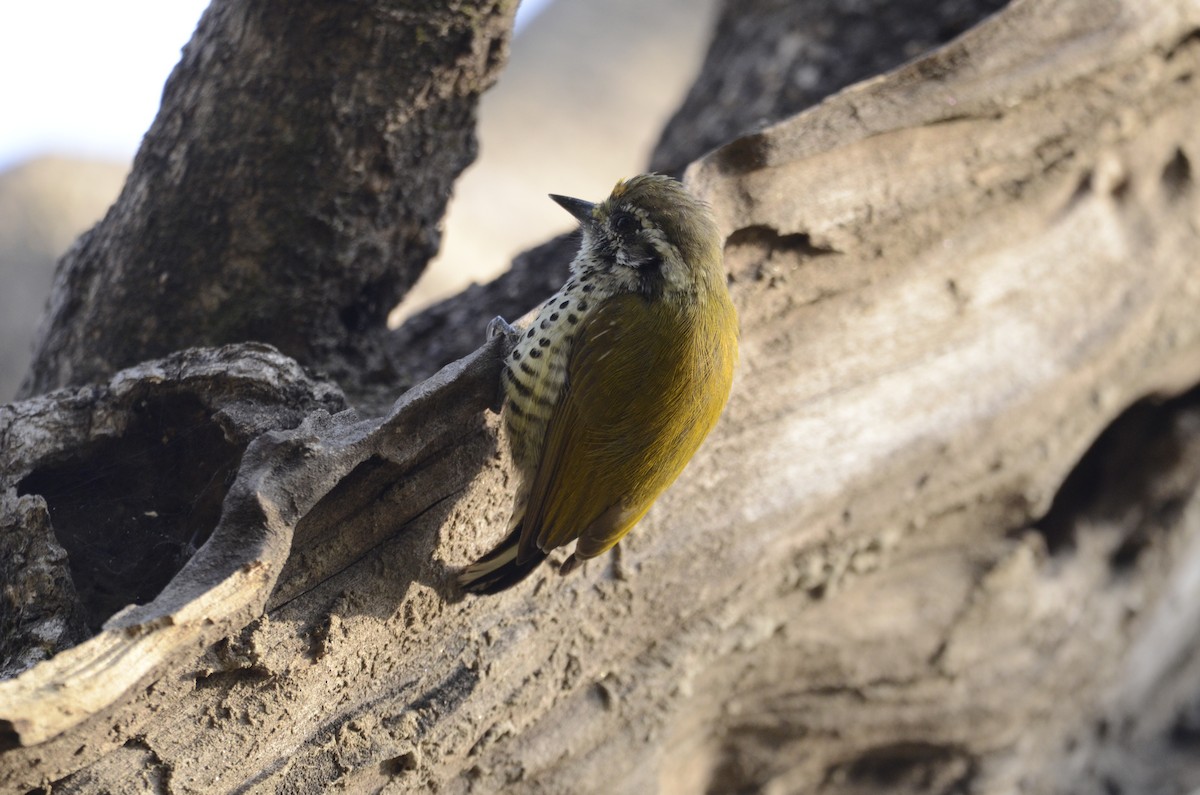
{"type": "Point", "coordinates": [623, 223]}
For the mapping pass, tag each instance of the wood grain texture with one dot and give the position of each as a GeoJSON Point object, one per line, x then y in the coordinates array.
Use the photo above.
{"type": "Point", "coordinates": [944, 538]}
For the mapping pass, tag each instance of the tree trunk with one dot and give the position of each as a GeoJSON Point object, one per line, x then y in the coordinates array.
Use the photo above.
{"type": "Point", "coordinates": [945, 538]}
{"type": "Point", "coordinates": [288, 192]}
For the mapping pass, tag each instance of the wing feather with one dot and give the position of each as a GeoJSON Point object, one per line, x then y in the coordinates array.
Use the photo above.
{"type": "Point", "coordinates": [645, 384]}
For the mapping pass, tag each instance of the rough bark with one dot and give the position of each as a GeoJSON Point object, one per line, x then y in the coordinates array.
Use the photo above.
{"type": "Point", "coordinates": [896, 566]}
{"type": "Point", "coordinates": [130, 478]}
{"type": "Point", "coordinates": [289, 192]}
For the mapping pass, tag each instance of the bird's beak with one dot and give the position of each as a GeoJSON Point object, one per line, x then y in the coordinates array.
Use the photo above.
{"type": "Point", "coordinates": [577, 207]}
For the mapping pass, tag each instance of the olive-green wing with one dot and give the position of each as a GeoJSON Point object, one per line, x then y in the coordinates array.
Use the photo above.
{"type": "Point", "coordinates": [644, 386]}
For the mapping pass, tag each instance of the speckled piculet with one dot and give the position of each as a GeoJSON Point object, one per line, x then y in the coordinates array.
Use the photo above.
{"type": "Point", "coordinates": [612, 388]}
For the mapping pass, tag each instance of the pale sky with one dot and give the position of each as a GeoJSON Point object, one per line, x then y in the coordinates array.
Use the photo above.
{"type": "Point", "coordinates": [81, 77]}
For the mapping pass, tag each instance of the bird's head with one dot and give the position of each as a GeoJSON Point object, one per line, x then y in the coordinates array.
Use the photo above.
{"type": "Point", "coordinates": [649, 236]}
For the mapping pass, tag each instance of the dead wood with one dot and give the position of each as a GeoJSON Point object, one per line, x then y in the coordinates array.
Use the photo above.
{"type": "Point", "coordinates": [771, 59]}
{"type": "Point", "coordinates": [896, 566]}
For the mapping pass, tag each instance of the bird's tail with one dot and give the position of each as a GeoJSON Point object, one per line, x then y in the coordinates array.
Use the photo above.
{"type": "Point", "coordinates": [499, 568]}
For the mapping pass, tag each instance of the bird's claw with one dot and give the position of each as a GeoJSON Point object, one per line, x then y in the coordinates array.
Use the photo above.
{"type": "Point", "coordinates": [497, 326]}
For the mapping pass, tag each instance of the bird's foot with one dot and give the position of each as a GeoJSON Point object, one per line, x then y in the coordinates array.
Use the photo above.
{"type": "Point", "coordinates": [498, 325]}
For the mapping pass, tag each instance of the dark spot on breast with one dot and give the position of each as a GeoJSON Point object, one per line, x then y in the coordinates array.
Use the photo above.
{"type": "Point", "coordinates": [516, 355]}
{"type": "Point", "coordinates": [530, 334]}
{"type": "Point", "coordinates": [572, 318]}
{"type": "Point", "coordinates": [535, 353]}
{"type": "Point", "coordinates": [520, 386]}
{"type": "Point", "coordinates": [545, 324]}
{"type": "Point", "coordinates": [583, 305]}
{"type": "Point", "coordinates": [564, 304]}
{"type": "Point", "coordinates": [544, 342]}
{"type": "Point", "coordinates": [526, 369]}
{"type": "Point", "coordinates": [553, 317]}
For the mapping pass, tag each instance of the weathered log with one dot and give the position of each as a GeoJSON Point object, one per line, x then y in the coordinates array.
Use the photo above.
{"type": "Point", "coordinates": [879, 575]}
{"type": "Point", "coordinates": [128, 480]}
{"type": "Point", "coordinates": [771, 59]}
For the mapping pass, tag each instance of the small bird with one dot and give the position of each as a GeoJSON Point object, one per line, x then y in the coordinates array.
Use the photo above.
{"type": "Point", "coordinates": [612, 388]}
